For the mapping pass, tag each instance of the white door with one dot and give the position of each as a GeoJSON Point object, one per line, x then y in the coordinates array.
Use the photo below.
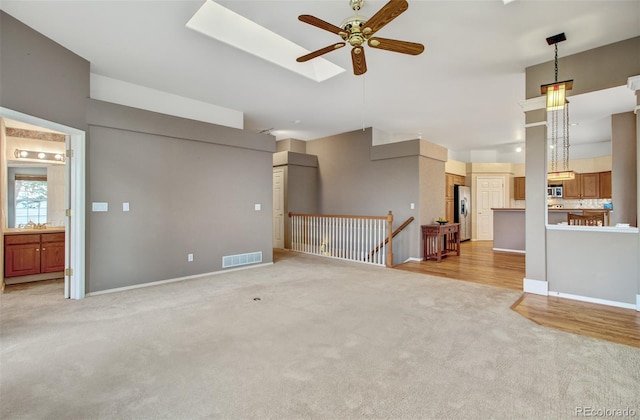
{"type": "Point", "coordinates": [490, 194]}
{"type": "Point", "coordinates": [278, 208]}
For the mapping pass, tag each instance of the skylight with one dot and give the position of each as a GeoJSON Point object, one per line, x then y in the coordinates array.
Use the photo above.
{"type": "Point", "coordinates": [218, 22]}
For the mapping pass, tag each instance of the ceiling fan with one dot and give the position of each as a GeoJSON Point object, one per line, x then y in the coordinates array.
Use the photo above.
{"type": "Point", "coordinates": [357, 29]}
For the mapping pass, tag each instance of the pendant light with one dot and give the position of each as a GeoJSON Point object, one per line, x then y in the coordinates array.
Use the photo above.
{"type": "Point", "coordinates": [558, 116]}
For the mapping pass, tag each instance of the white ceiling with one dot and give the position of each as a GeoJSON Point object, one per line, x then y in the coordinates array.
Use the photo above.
{"type": "Point", "coordinates": [463, 92]}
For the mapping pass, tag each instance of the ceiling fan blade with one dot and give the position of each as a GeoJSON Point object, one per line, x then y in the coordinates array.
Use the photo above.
{"type": "Point", "coordinates": [359, 62]}
{"type": "Point", "coordinates": [320, 52]}
{"type": "Point", "coordinates": [319, 23]}
{"type": "Point", "coordinates": [394, 45]}
{"type": "Point", "coordinates": [389, 11]}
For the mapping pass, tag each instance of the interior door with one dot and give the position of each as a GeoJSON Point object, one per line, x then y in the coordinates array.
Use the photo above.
{"type": "Point", "coordinates": [490, 194]}
{"type": "Point", "coordinates": [278, 208]}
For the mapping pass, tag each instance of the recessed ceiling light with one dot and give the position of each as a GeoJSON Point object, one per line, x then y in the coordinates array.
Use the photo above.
{"type": "Point", "coordinates": [518, 149]}
{"type": "Point", "coordinates": [218, 22]}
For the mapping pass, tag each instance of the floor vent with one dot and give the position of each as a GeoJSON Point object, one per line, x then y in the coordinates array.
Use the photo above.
{"type": "Point", "coordinates": [241, 259]}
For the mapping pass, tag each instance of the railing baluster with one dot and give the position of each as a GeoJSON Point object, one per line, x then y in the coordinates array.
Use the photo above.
{"type": "Point", "coordinates": [355, 238]}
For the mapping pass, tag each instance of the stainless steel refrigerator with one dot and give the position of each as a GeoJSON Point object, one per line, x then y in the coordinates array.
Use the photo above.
{"type": "Point", "coordinates": [462, 210]}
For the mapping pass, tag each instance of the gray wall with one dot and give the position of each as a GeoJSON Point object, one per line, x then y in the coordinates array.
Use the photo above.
{"type": "Point", "coordinates": [39, 77]}
{"type": "Point", "coordinates": [606, 268]}
{"type": "Point", "coordinates": [624, 168]}
{"type": "Point", "coordinates": [192, 186]}
{"type": "Point", "coordinates": [600, 68]}
{"type": "Point", "coordinates": [187, 192]}
{"type": "Point", "coordinates": [351, 183]}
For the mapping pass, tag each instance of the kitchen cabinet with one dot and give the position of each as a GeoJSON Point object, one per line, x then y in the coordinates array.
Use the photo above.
{"type": "Point", "coordinates": [519, 188]}
{"type": "Point", "coordinates": [605, 184]}
{"type": "Point", "coordinates": [451, 180]}
{"type": "Point", "coordinates": [583, 186]}
{"type": "Point", "coordinates": [28, 254]}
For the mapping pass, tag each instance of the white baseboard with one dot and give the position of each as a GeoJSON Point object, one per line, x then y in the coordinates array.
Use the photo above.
{"type": "Point", "coordinates": [517, 251]}
{"type": "Point", "coordinates": [537, 287]}
{"type": "Point", "coordinates": [596, 300]}
{"type": "Point", "coordinates": [413, 259]}
{"type": "Point", "coordinates": [156, 283]}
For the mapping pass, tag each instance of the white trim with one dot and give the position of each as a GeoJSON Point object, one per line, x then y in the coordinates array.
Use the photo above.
{"type": "Point", "coordinates": [633, 83]}
{"type": "Point", "coordinates": [636, 109]}
{"type": "Point", "coordinates": [575, 228]}
{"type": "Point", "coordinates": [413, 259]}
{"type": "Point", "coordinates": [534, 103]}
{"type": "Point", "coordinates": [594, 300]}
{"type": "Point", "coordinates": [537, 287]}
{"type": "Point", "coordinates": [159, 282]}
{"type": "Point", "coordinates": [77, 186]}
{"type": "Point", "coordinates": [517, 251]}
{"type": "Point", "coordinates": [536, 124]}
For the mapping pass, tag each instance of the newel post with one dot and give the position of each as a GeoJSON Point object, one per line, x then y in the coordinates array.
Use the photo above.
{"type": "Point", "coordinates": [389, 262]}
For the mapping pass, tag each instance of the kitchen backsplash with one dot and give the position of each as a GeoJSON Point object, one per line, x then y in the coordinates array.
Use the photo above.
{"type": "Point", "coordinates": [597, 203]}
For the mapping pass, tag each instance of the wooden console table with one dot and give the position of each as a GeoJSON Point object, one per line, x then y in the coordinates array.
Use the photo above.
{"type": "Point", "coordinates": [440, 240]}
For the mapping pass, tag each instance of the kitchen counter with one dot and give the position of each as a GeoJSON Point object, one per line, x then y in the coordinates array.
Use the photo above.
{"type": "Point", "coordinates": [509, 225]}
{"type": "Point", "coordinates": [555, 215]}
{"type": "Point", "coordinates": [21, 231]}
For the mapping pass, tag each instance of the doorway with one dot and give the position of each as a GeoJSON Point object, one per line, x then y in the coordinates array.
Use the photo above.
{"type": "Point", "coordinates": [278, 208]}
{"type": "Point", "coordinates": [489, 195]}
{"type": "Point", "coordinates": [74, 219]}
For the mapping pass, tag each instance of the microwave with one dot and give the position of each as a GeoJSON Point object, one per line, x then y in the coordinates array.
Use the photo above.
{"type": "Point", "coordinates": [554, 191]}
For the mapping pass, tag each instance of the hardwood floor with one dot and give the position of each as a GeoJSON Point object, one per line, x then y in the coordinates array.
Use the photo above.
{"type": "Point", "coordinates": [478, 263]}
{"type": "Point", "coordinates": [590, 319]}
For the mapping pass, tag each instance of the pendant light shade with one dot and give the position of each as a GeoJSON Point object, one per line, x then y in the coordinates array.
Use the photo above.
{"type": "Point", "coordinates": [556, 94]}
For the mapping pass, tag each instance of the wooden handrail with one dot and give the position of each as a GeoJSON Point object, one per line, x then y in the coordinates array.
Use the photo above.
{"type": "Point", "coordinates": [386, 241]}
{"type": "Point", "coordinates": [340, 216]}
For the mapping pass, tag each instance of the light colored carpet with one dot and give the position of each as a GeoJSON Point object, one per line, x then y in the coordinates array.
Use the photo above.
{"type": "Point", "coordinates": [327, 339]}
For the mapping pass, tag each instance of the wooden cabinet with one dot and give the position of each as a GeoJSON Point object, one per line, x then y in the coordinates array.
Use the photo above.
{"type": "Point", "coordinates": [590, 185]}
{"type": "Point", "coordinates": [451, 180]}
{"type": "Point", "coordinates": [519, 188]}
{"type": "Point", "coordinates": [52, 252]}
{"type": "Point", "coordinates": [583, 186]}
{"type": "Point", "coordinates": [28, 254]}
{"type": "Point", "coordinates": [605, 184]}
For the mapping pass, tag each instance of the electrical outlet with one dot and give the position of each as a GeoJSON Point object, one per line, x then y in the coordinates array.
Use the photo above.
{"type": "Point", "coordinates": [413, 206]}
{"type": "Point", "coordinates": [189, 257]}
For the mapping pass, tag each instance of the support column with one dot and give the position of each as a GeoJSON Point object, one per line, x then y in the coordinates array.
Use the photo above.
{"type": "Point", "coordinates": [535, 280]}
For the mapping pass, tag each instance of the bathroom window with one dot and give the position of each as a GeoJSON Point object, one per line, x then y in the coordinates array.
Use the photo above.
{"type": "Point", "coordinates": [30, 199]}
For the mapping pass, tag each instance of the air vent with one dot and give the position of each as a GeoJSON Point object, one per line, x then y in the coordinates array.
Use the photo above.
{"type": "Point", "coordinates": [241, 259]}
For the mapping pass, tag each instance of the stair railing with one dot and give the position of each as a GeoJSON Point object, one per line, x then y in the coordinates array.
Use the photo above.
{"type": "Point", "coordinates": [344, 236]}
{"type": "Point", "coordinates": [395, 232]}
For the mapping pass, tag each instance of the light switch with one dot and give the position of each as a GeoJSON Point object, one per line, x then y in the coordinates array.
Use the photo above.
{"type": "Point", "coordinates": [413, 206]}
{"type": "Point", "coordinates": [258, 207]}
{"type": "Point", "coordinates": [97, 206]}
{"type": "Point", "coordinates": [125, 206]}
